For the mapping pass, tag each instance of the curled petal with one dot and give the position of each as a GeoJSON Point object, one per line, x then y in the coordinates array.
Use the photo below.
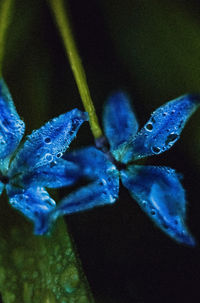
{"type": "Point", "coordinates": [160, 194]}
{"type": "Point", "coordinates": [47, 144]}
{"type": "Point", "coordinates": [34, 203]}
{"type": "Point", "coordinates": [11, 126]}
{"type": "Point", "coordinates": [120, 123]}
{"type": "Point", "coordinates": [162, 130]}
{"type": "Point", "coordinates": [96, 194]}
{"type": "Point", "coordinates": [94, 165]}
{"type": "Point", "coordinates": [56, 174]}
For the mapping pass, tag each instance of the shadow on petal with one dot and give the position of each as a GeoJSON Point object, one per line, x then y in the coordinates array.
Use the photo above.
{"type": "Point", "coordinates": [160, 194]}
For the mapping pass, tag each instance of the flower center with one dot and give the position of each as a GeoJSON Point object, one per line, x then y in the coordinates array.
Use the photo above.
{"type": "Point", "coordinates": [4, 179]}
{"type": "Point", "coordinates": [103, 144]}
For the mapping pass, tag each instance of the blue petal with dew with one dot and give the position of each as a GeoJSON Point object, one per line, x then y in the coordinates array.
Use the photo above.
{"type": "Point", "coordinates": [94, 165]}
{"type": "Point", "coordinates": [119, 121]}
{"type": "Point", "coordinates": [162, 130]}
{"type": "Point", "coordinates": [48, 143]}
{"type": "Point", "coordinates": [93, 195]}
{"type": "Point", "coordinates": [34, 202]}
{"type": "Point", "coordinates": [160, 194]}
{"type": "Point", "coordinates": [55, 174]}
{"type": "Point", "coordinates": [92, 162]}
{"type": "Point", "coordinates": [11, 126]}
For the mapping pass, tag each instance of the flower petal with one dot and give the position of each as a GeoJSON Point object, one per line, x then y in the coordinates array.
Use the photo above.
{"type": "Point", "coordinates": [1, 187]}
{"type": "Point", "coordinates": [162, 130]}
{"type": "Point", "coordinates": [160, 194]}
{"type": "Point", "coordinates": [92, 162]}
{"type": "Point", "coordinates": [11, 126]}
{"type": "Point", "coordinates": [47, 144]}
{"type": "Point", "coordinates": [120, 123]}
{"type": "Point", "coordinates": [53, 175]}
{"type": "Point", "coordinates": [34, 203]}
{"type": "Point", "coordinates": [94, 165]}
{"type": "Point", "coordinates": [96, 194]}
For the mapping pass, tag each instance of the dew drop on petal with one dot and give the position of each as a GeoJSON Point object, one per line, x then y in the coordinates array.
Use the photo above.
{"type": "Point", "coordinates": [171, 138]}
{"type": "Point", "coordinates": [155, 149]}
{"type": "Point", "coordinates": [59, 155]}
{"type": "Point", "coordinates": [149, 127]}
{"type": "Point", "coordinates": [47, 140]}
{"type": "Point", "coordinates": [48, 157]}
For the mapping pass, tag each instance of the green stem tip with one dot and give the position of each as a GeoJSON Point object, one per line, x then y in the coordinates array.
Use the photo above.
{"type": "Point", "coordinates": [5, 18]}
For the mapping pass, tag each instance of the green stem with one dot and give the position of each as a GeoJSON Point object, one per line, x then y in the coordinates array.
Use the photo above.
{"type": "Point", "coordinates": [5, 17]}
{"type": "Point", "coordinates": [63, 23]}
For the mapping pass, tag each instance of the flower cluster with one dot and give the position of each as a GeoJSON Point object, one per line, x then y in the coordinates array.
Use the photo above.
{"type": "Point", "coordinates": [28, 168]}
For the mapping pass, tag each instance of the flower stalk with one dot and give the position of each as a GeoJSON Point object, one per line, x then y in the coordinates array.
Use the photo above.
{"type": "Point", "coordinates": [5, 18]}
{"type": "Point", "coordinates": [62, 19]}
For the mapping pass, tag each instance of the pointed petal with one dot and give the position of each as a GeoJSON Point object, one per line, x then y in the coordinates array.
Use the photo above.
{"type": "Point", "coordinates": [11, 126]}
{"type": "Point", "coordinates": [162, 130]}
{"type": "Point", "coordinates": [92, 162]}
{"type": "Point", "coordinates": [53, 175]}
{"type": "Point", "coordinates": [99, 193]}
{"type": "Point", "coordinates": [1, 187]}
{"type": "Point", "coordinates": [34, 203]}
{"type": "Point", "coordinates": [120, 123]}
{"type": "Point", "coordinates": [160, 194]}
{"type": "Point", "coordinates": [47, 144]}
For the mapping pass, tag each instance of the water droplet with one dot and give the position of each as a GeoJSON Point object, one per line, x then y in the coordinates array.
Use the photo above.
{"type": "Point", "coordinates": [49, 157]}
{"type": "Point", "coordinates": [47, 140]}
{"type": "Point", "coordinates": [149, 127]}
{"type": "Point", "coordinates": [59, 155]}
{"type": "Point", "coordinates": [155, 149]}
{"type": "Point", "coordinates": [171, 138]}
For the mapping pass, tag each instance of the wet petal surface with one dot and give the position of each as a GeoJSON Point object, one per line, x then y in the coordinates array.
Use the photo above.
{"type": "Point", "coordinates": [11, 126]}
{"type": "Point", "coordinates": [92, 162]}
{"type": "Point", "coordinates": [96, 194]}
{"type": "Point", "coordinates": [35, 203]}
{"type": "Point", "coordinates": [48, 143]}
{"type": "Point", "coordinates": [120, 123]}
{"type": "Point", "coordinates": [162, 130]}
{"type": "Point", "coordinates": [56, 174]}
{"type": "Point", "coordinates": [160, 194]}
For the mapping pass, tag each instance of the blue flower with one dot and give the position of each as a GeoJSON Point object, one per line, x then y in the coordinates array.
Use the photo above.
{"type": "Point", "coordinates": [157, 189]}
{"type": "Point", "coordinates": [27, 168]}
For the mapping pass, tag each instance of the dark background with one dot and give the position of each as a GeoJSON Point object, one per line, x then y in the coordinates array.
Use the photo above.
{"type": "Point", "coordinates": [151, 49]}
